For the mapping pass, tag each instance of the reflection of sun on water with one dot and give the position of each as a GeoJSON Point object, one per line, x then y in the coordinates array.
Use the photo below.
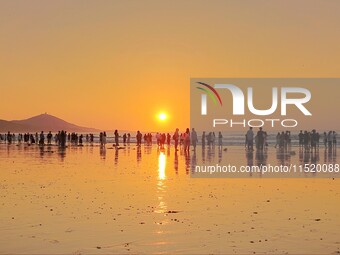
{"type": "Point", "coordinates": [161, 186]}
{"type": "Point", "coordinates": [161, 166]}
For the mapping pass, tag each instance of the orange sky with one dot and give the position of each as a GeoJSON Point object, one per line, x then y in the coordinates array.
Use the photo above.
{"type": "Point", "coordinates": [116, 64]}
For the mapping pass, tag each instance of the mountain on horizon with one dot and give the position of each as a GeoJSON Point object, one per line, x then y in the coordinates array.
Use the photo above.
{"type": "Point", "coordinates": [42, 122]}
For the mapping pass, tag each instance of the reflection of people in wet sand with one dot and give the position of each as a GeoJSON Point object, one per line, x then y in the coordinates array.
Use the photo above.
{"type": "Point", "coordinates": [250, 159]}
{"type": "Point", "coordinates": [176, 162]}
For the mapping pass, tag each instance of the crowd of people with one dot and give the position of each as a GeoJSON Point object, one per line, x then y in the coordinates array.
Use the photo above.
{"type": "Point", "coordinates": [60, 138]}
{"type": "Point", "coordinates": [306, 140]}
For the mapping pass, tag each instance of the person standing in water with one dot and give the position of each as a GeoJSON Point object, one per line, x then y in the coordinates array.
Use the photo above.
{"type": "Point", "coordinates": [194, 138]}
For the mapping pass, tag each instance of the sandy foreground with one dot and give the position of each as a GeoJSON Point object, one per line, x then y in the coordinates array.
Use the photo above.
{"type": "Point", "coordinates": [85, 200]}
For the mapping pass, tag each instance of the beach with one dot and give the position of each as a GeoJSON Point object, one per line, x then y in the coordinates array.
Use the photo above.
{"type": "Point", "coordinates": [87, 200]}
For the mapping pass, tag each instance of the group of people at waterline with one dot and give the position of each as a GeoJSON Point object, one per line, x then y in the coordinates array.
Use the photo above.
{"type": "Point", "coordinates": [307, 140]}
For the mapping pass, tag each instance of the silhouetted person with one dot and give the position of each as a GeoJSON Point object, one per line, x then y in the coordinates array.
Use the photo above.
{"type": "Point", "coordinates": [168, 139]}
{"type": "Point", "coordinates": [325, 139]}
{"type": "Point", "coordinates": [220, 140]}
{"type": "Point", "coordinates": [175, 137]}
{"type": "Point", "coordinates": [300, 139]}
{"type": "Point", "coordinates": [186, 140]}
{"type": "Point", "coordinates": [139, 138]}
{"type": "Point", "coordinates": [330, 140]}
{"type": "Point", "coordinates": [124, 138]}
{"type": "Point", "coordinates": [49, 138]}
{"type": "Point", "coordinates": [203, 139]}
{"type": "Point", "coordinates": [260, 137]}
{"type": "Point", "coordinates": [116, 135]}
{"type": "Point", "coordinates": [194, 138]}
{"type": "Point", "coordinates": [42, 138]}
{"type": "Point", "coordinates": [250, 139]}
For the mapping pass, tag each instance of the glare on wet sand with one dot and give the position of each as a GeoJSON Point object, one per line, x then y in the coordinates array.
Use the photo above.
{"type": "Point", "coordinates": [143, 200]}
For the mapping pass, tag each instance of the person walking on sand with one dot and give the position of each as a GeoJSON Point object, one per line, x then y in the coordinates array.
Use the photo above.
{"type": "Point", "coordinates": [300, 139]}
{"type": "Point", "coordinates": [203, 139]}
{"type": "Point", "coordinates": [128, 138]}
{"type": "Point", "coordinates": [220, 140]}
{"type": "Point", "coordinates": [313, 140]}
{"type": "Point", "coordinates": [186, 140]}
{"type": "Point", "coordinates": [325, 139]}
{"type": "Point", "coordinates": [42, 138]}
{"type": "Point", "coordinates": [124, 138]}
{"type": "Point", "coordinates": [104, 138]}
{"type": "Point", "coordinates": [101, 139]}
{"type": "Point", "coordinates": [277, 140]}
{"type": "Point", "coordinates": [139, 138]}
{"type": "Point", "coordinates": [116, 135]}
{"type": "Point", "coordinates": [330, 140]}
{"type": "Point", "coordinates": [260, 135]}
{"type": "Point", "coordinates": [168, 139]}
{"type": "Point", "coordinates": [49, 138]}
{"type": "Point", "coordinates": [250, 139]}
{"type": "Point", "coordinates": [193, 138]}
{"type": "Point", "coordinates": [37, 138]}
{"type": "Point", "coordinates": [175, 137]}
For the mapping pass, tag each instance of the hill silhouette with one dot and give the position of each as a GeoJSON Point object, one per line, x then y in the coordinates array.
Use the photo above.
{"type": "Point", "coordinates": [42, 122]}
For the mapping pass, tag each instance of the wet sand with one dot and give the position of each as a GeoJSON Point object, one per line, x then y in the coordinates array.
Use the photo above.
{"type": "Point", "coordinates": [84, 200]}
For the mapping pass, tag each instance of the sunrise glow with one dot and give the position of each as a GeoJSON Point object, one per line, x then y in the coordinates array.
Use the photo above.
{"type": "Point", "coordinates": [162, 116]}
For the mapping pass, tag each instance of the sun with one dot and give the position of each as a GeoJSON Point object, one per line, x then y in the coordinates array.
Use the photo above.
{"type": "Point", "coordinates": [162, 116]}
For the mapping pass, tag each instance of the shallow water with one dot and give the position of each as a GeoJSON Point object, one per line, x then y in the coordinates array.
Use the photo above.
{"type": "Point", "coordinates": [87, 200]}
